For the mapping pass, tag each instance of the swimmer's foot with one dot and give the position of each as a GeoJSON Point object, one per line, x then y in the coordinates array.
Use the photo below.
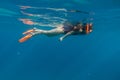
{"type": "Point", "coordinates": [29, 34]}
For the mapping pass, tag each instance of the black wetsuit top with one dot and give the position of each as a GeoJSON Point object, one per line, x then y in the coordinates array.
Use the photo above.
{"type": "Point", "coordinates": [68, 27]}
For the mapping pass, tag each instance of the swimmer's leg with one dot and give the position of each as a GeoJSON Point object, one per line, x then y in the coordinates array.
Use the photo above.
{"type": "Point", "coordinates": [49, 33]}
{"type": "Point", "coordinates": [36, 31]}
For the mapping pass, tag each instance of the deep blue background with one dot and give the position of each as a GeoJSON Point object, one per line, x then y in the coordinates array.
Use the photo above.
{"type": "Point", "coordinates": [91, 57]}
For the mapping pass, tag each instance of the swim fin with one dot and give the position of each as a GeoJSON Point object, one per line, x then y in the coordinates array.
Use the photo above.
{"type": "Point", "coordinates": [29, 31]}
{"type": "Point", "coordinates": [23, 39]}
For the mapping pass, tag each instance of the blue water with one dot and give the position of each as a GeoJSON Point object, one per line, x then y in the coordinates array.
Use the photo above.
{"type": "Point", "coordinates": [84, 57]}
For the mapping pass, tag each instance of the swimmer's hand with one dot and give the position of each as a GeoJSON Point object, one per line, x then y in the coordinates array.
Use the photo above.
{"type": "Point", "coordinates": [61, 39]}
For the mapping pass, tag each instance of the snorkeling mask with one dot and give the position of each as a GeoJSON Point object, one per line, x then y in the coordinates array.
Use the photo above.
{"type": "Point", "coordinates": [88, 28]}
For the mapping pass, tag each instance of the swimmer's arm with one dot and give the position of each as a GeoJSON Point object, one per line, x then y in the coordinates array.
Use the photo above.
{"type": "Point", "coordinates": [67, 34]}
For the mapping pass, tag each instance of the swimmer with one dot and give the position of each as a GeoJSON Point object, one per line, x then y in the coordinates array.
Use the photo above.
{"type": "Point", "coordinates": [66, 29]}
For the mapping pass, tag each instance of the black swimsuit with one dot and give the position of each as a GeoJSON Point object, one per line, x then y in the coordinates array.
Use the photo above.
{"type": "Point", "coordinates": [68, 27]}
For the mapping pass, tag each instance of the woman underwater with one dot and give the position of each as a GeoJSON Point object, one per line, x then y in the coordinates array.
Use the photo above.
{"type": "Point", "coordinates": [66, 29]}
